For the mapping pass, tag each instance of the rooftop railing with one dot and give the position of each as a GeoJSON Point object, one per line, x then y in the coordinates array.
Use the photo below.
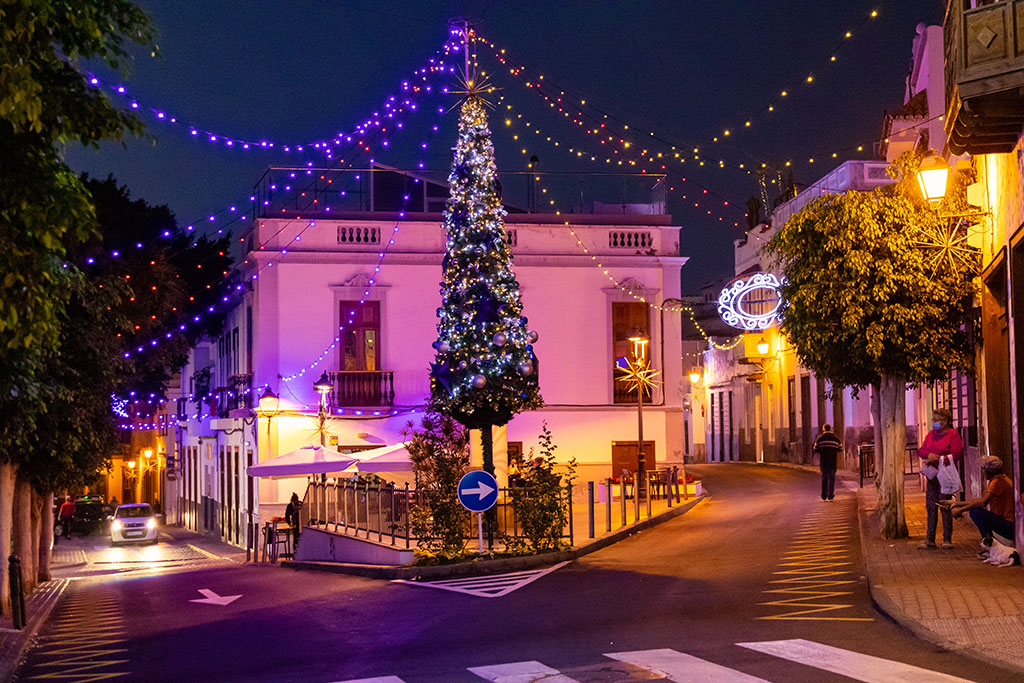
{"type": "Point", "coordinates": [287, 192]}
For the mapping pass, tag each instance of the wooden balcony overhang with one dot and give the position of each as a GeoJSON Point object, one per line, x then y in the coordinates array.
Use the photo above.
{"type": "Point", "coordinates": [984, 49]}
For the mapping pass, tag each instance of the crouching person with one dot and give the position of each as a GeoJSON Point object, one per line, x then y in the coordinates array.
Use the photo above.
{"type": "Point", "coordinates": [993, 512]}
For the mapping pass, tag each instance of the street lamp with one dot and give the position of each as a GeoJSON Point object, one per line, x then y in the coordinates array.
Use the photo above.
{"type": "Point", "coordinates": [932, 175]}
{"type": "Point", "coordinates": [640, 341]}
{"type": "Point", "coordinates": [695, 375]}
{"type": "Point", "coordinates": [268, 406]}
{"type": "Point", "coordinates": [763, 347]}
{"type": "Point", "coordinates": [322, 386]}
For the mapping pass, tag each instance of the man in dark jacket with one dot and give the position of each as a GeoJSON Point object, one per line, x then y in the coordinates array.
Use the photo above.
{"type": "Point", "coordinates": [827, 446]}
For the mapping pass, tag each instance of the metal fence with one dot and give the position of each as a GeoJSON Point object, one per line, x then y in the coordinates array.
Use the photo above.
{"type": "Point", "coordinates": [380, 511]}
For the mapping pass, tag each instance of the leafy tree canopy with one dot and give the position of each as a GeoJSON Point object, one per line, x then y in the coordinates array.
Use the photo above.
{"type": "Point", "coordinates": [45, 102]}
{"type": "Point", "coordinates": [863, 299]}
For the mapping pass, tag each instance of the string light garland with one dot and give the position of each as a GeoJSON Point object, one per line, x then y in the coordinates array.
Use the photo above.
{"type": "Point", "coordinates": [707, 208]}
{"type": "Point", "coordinates": [392, 106]}
{"type": "Point", "coordinates": [199, 317]}
{"type": "Point", "coordinates": [519, 70]}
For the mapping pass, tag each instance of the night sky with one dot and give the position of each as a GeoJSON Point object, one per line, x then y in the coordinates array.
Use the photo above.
{"type": "Point", "coordinates": [303, 70]}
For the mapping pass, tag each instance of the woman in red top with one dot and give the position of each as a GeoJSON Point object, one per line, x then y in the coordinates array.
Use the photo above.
{"type": "Point", "coordinates": [67, 511]}
{"type": "Point", "coordinates": [941, 440]}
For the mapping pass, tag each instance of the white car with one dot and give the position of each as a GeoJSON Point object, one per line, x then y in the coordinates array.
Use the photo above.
{"type": "Point", "coordinates": [133, 523]}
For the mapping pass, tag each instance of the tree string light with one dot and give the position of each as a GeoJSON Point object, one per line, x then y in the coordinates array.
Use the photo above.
{"type": "Point", "coordinates": [392, 106]}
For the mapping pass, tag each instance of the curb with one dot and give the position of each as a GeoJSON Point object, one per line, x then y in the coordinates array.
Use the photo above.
{"type": "Point", "coordinates": [888, 608]}
{"type": "Point", "coordinates": [497, 566]}
{"type": "Point", "coordinates": [9, 663]}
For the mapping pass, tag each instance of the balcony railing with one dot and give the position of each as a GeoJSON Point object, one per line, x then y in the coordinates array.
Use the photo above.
{"type": "Point", "coordinates": [984, 46]}
{"type": "Point", "coordinates": [236, 394]}
{"type": "Point", "coordinates": [362, 388]}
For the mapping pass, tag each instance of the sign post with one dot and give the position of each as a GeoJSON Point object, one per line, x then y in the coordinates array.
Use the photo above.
{"type": "Point", "coordinates": [478, 492]}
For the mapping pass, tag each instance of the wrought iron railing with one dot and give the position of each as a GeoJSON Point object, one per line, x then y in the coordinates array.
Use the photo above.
{"type": "Point", "coordinates": [362, 388]}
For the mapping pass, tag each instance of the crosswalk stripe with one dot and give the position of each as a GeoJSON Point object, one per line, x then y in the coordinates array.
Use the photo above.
{"type": "Point", "coordinates": [681, 667]}
{"type": "Point", "coordinates": [379, 679]}
{"type": "Point", "coordinates": [854, 665]}
{"type": "Point", "coordinates": [520, 672]}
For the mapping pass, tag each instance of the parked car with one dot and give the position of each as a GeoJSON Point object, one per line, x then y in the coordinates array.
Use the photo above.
{"type": "Point", "coordinates": [90, 515]}
{"type": "Point", "coordinates": [134, 523]}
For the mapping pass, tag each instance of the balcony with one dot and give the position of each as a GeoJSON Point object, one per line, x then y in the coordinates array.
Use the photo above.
{"type": "Point", "coordinates": [984, 45]}
{"type": "Point", "coordinates": [235, 395]}
{"type": "Point", "coordinates": [362, 389]}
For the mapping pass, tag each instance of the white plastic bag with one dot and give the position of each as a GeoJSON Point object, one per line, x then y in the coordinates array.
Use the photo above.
{"type": "Point", "coordinates": [949, 478]}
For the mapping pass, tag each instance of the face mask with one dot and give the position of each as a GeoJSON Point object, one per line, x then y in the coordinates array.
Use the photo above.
{"type": "Point", "coordinates": [936, 426]}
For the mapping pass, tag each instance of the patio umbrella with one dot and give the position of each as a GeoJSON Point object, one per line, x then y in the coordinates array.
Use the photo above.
{"type": "Point", "coordinates": [303, 461]}
{"type": "Point", "coordinates": [394, 458]}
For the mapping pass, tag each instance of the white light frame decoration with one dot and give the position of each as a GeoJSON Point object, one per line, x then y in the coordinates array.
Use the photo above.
{"type": "Point", "coordinates": [735, 311]}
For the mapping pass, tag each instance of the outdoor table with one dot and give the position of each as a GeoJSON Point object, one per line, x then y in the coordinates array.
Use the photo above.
{"type": "Point", "coordinates": [275, 535]}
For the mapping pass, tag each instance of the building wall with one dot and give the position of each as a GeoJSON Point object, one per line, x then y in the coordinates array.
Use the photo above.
{"type": "Point", "coordinates": [295, 304]}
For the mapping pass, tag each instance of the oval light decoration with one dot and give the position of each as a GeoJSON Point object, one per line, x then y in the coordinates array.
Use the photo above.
{"type": "Point", "coordinates": [751, 302]}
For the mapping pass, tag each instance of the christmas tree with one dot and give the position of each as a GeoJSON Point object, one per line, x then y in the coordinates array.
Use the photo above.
{"type": "Point", "coordinates": [485, 370]}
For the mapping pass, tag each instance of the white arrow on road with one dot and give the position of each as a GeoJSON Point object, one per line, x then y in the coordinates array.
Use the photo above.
{"type": "Point", "coordinates": [211, 598]}
{"type": "Point", "coordinates": [482, 490]}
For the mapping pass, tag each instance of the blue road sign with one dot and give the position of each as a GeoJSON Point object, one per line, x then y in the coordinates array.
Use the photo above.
{"type": "Point", "coordinates": [478, 491]}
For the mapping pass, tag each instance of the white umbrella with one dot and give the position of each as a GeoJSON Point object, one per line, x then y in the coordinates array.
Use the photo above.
{"type": "Point", "coordinates": [303, 461]}
{"type": "Point", "coordinates": [394, 458]}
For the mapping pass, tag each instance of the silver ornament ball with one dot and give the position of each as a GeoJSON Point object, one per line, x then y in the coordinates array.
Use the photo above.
{"type": "Point", "coordinates": [499, 339]}
{"type": "Point", "coordinates": [525, 368]}
{"type": "Point", "coordinates": [532, 336]}
{"type": "Point", "coordinates": [479, 381]}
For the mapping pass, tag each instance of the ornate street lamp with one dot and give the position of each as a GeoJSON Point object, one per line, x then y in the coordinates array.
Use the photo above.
{"type": "Point", "coordinates": [932, 175]}
{"type": "Point", "coordinates": [639, 375]}
{"type": "Point", "coordinates": [269, 406]}
{"type": "Point", "coordinates": [763, 347]}
{"type": "Point", "coordinates": [322, 386]}
{"type": "Point", "coordinates": [695, 375]}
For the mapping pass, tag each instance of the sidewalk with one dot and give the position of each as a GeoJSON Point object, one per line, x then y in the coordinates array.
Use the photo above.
{"type": "Point", "coordinates": [948, 597]}
{"type": "Point", "coordinates": [38, 606]}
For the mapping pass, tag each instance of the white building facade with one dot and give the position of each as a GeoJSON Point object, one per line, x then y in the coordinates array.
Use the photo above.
{"type": "Point", "coordinates": [355, 295]}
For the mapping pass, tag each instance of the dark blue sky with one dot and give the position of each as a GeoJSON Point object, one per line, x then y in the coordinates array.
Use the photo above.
{"type": "Point", "coordinates": [303, 70]}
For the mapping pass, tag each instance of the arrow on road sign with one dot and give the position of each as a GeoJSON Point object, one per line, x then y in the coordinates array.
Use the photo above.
{"type": "Point", "coordinates": [482, 490]}
{"type": "Point", "coordinates": [211, 598]}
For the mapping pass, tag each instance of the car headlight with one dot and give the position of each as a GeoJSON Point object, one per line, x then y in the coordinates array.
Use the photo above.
{"type": "Point", "coordinates": [151, 523]}
{"type": "Point", "coordinates": [116, 525]}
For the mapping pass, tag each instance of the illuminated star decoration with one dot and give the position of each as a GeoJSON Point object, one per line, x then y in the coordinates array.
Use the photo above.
{"type": "Point", "coordinates": [638, 374]}
{"type": "Point", "coordinates": [948, 247]}
{"type": "Point", "coordinates": [475, 88]}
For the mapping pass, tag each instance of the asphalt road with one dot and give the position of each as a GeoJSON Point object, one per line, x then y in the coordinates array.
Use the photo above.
{"type": "Point", "coordinates": [763, 561]}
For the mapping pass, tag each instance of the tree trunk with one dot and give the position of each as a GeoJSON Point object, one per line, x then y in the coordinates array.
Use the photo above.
{"type": "Point", "coordinates": [23, 531]}
{"type": "Point", "coordinates": [37, 522]}
{"type": "Point", "coordinates": [8, 472]}
{"type": "Point", "coordinates": [889, 468]}
{"type": "Point", "coordinates": [46, 537]}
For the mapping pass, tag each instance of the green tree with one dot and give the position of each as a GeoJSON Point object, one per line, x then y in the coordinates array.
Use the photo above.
{"type": "Point", "coordinates": [485, 370]}
{"type": "Point", "coordinates": [45, 103]}
{"type": "Point", "coordinates": [867, 305]}
{"type": "Point", "coordinates": [171, 277]}
{"type": "Point", "coordinates": [541, 498]}
{"type": "Point", "coordinates": [439, 451]}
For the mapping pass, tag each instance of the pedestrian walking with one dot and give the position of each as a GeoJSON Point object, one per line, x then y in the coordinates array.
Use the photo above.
{"type": "Point", "coordinates": [993, 512]}
{"type": "Point", "coordinates": [941, 440]}
{"type": "Point", "coordinates": [67, 511]}
{"type": "Point", "coordinates": [828, 446]}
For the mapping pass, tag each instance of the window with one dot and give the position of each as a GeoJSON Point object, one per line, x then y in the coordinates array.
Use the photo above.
{"type": "Point", "coordinates": [625, 316]}
{"type": "Point", "coordinates": [360, 338]}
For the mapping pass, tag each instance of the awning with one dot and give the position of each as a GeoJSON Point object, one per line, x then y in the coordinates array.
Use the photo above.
{"type": "Point", "coordinates": [303, 461]}
{"type": "Point", "coordinates": [394, 458]}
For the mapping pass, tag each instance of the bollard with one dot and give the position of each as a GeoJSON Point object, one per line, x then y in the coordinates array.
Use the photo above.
{"type": "Point", "coordinates": [590, 505]}
{"type": "Point", "coordinates": [18, 617]}
{"type": "Point", "coordinates": [668, 485]}
{"type": "Point", "coordinates": [648, 497]}
{"type": "Point", "coordinates": [608, 504]}
{"type": "Point", "coordinates": [622, 498]}
{"type": "Point", "coordinates": [636, 499]}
